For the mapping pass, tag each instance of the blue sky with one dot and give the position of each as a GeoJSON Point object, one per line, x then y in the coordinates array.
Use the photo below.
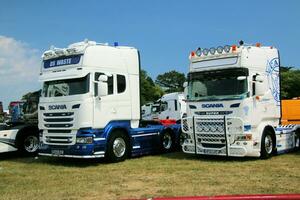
{"type": "Point", "coordinates": [164, 31]}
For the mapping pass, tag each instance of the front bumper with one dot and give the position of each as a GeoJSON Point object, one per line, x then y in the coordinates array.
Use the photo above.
{"type": "Point", "coordinates": [72, 149]}
{"type": "Point", "coordinates": [241, 150]}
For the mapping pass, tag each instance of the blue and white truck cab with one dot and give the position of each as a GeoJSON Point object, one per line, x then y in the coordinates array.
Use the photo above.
{"type": "Point", "coordinates": [233, 103]}
{"type": "Point", "coordinates": [90, 104]}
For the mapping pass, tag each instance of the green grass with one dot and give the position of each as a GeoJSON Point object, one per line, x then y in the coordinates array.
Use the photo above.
{"type": "Point", "coordinates": [173, 174]}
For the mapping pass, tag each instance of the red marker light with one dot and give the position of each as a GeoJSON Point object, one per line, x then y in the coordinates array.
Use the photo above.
{"type": "Point", "coordinates": [258, 44]}
{"type": "Point", "coordinates": [233, 47]}
{"type": "Point", "coordinates": [192, 53]}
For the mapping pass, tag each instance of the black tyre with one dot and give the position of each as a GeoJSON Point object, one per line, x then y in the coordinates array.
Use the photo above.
{"type": "Point", "coordinates": [267, 145]}
{"type": "Point", "coordinates": [29, 144]}
{"type": "Point", "coordinates": [181, 139]}
{"type": "Point", "coordinates": [167, 142]}
{"type": "Point", "coordinates": [117, 147]}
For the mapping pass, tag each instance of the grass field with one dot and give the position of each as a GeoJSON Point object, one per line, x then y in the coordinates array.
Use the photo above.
{"type": "Point", "coordinates": [173, 174]}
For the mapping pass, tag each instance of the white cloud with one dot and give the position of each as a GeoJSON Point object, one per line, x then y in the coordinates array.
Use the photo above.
{"type": "Point", "coordinates": [19, 69]}
{"type": "Point", "coordinates": [17, 61]}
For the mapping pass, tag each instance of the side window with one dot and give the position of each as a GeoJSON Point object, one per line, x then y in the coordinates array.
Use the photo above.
{"type": "Point", "coordinates": [110, 83]}
{"type": "Point", "coordinates": [121, 82]}
{"type": "Point", "coordinates": [164, 106]}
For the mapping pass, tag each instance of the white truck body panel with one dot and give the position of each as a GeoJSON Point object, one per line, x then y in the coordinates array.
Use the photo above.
{"type": "Point", "coordinates": [7, 139]}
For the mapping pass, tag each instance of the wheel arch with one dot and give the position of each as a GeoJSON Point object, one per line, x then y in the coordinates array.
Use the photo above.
{"type": "Point", "coordinates": [270, 129]}
{"type": "Point", "coordinates": [26, 130]}
{"type": "Point", "coordinates": [124, 131]}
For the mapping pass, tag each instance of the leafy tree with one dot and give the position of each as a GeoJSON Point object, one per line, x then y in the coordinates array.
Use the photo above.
{"type": "Point", "coordinates": [290, 82]}
{"type": "Point", "coordinates": [149, 90]}
{"type": "Point", "coordinates": [172, 80]}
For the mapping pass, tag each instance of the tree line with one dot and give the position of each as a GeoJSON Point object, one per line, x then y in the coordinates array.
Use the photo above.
{"type": "Point", "coordinates": [172, 81]}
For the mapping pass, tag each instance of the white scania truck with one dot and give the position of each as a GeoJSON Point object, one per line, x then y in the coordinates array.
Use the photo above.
{"type": "Point", "coordinates": [170, 106]}
{"type": "Point", "coordinates": [90, 105]}
{"type": "Point", "coordinates": [233, 103]}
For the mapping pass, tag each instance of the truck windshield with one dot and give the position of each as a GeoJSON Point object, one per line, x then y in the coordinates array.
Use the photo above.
{"type": "Point", "coordinates": [66, 87]}
{"type": "Point", "coordinates": [218, 84]}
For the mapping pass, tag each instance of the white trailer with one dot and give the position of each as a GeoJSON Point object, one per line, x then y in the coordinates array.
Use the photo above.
{"type": "Point", "coordinates": [233, 103]}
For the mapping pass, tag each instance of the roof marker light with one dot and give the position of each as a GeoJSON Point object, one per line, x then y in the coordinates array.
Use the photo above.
{"type": "Point", "coordinates": [192, 54]}
{"type": "Point", "coordinates": [219, 49]}
{"type": "Point", "coordinates": [212, 50]}
{"type": "Point", "coordinates": [59, 52]}
{"type": "Point", "coordinates": [205, 51]}
{"type": "Point", "coordinates": [71, 50]}
{"type": "Point", "coordinates": [227, 48]}
{"type": "Point", "coordinates": [258, 44]}
{"type": "Point", "coordinates": [199, 51]}
{"type": "Point", "coordinates": [233, 47]}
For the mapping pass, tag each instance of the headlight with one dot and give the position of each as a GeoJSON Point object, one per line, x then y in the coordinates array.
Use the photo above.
{"type": "Point", "coordinates": [212, 50]}
{"type": "Point", "coordinates": [205, 52]}
{"type": "Point", "coordinates": [199, 52]}
{"type": "Point", "coordinates": [84, 140]}
{"type": "Point", "coordinates": [227, 48]}
{"type": "Point", "coordinates": [220, 49]}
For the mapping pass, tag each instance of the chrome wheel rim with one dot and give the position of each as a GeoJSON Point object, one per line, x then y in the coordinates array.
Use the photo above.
{"type": "Point", "coordinates": [167, 141]}
{"type": "Point", "coordinates": [119, 147]}
{"type": "Point", "coordinates": [268, 144]}
{"type": "Point", "coordinates": [31, 144]}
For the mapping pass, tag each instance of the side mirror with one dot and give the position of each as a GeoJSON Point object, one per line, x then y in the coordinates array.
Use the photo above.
{"type": "Point", "coordinates": [185, 84]}
{"type": "Point", "coordinates": [260, 89]}
{"type": "Point", "coordinates": [102, 86]}
{"type": "Point", "coordinates": [259, 78]}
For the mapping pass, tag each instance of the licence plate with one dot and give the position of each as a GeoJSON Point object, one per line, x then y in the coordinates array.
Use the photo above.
{"type": "Point", "coordinates": [211, 151]}
{"type": "Point", "coordinates": [57, 152]}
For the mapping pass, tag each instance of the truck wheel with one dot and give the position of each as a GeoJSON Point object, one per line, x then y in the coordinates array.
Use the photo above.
{"type": "Point", "coordinates": [167, 141]}
{"type": "Point", "coordinates": [267, 145]}
{"type": "Point", "coordinates": [181, 139]}
{"type": "Point", "coordinates": [117, 147]}
{"type": "Point", "coordinates": [29, 144]}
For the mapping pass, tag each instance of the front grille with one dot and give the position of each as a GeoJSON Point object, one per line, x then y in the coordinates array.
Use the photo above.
{"type": "Point", "coordinates": [58, 125]}
{"type": "Point", "coordinates": [59, 139]}
{"type": "Point", "coordinates": [59, 131]}
{"type": "Point", "coordinates": [58, 128]}
{"type": "Point", "coordinates": [210, 132]}
{"type": "Point", "coordinates": [58, 120]}
{"type": "Point", "coordinates": [62, 114]}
